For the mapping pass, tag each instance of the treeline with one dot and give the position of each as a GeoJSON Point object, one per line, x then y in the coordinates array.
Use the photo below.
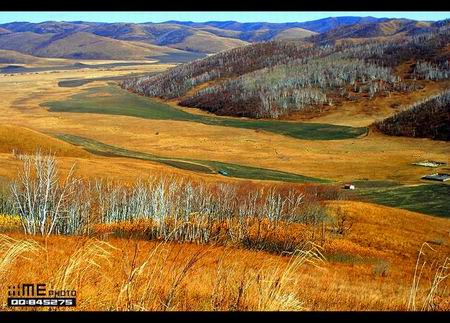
{"type": "Point", "coordinates": [275, 78]}
{"type": "Point", "coordinates": [167, 208]}
{"type": "Point", "coordinates": [429, 118]}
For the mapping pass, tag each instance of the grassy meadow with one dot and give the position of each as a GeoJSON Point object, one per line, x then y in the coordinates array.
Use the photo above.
{"type": "Point", "coordinates": [426, 198]}
{"type": "Point", "coordinates": [202, 166]}
{"type": "Point", "coordinates": [115, 101]}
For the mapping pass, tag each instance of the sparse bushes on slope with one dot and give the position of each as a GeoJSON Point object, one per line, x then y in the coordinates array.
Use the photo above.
{"type": "Point", "coordinates": [429, 118]}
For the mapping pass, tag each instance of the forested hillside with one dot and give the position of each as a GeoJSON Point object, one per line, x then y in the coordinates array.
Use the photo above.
{"type": "Point", "coordinates": [275, 78]}
{"type": "Point", "coordinates": [429, 118]}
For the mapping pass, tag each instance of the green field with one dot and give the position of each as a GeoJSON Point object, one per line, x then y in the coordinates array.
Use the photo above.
{"type": "Point", "coordinates": [201, 166]}
{"type": "Point", "coordinates": [121, 102]}
{"type": "Point", "coordinates": [360, 183]}
{"type": "Point", "coordinates": [430, 199]}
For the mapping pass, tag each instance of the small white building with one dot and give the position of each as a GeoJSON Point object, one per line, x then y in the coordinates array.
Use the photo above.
{"type": "Point", "coordinates": [349, 186]}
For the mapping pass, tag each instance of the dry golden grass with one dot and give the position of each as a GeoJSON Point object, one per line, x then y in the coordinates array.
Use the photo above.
{"type": "Point", "coordinates": [27, 141]}
{"type": "Point", "coordinates": [371, 267]}
{"type": "Point", "coordinates": [391, 232]}
{"type": "Point", "coordinates": [121, 169]}
{"type": "Point", "coordinates": [134, 275]}
{"type": "Point", "coordinates": [206, 42]}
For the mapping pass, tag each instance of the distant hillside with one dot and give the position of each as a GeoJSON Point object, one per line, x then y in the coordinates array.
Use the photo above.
{"type": "Point", "coordinates": [87, 46]}
{"type": "Point", "coordinates": [383, 28]}
{"type": "Point", "coordinates": [206, 42]}
{"type": "Point", "coordinates": [207, 37]}
{"type": "Point", "coordinates": [32, 38]}
{"type": "Point", "coordinates": [81, 39]}
{"type": "Point", "coordinates": [318, 26]}
{"type": "Point", "coordinates": [272, 79]}
{"type": "Point", "coordinates": [429, 118]}
{"type": "Point", "coordinates": [294, 33]}
{"type": "Point", "coordinates": [327, 24]}
{"type": "Point", "coordinates": [79, 45]}
{"type": "Point", "coordinates": [47, 27]}
{"type": "Point", "coordinates": [24, 42]}
{"type": "Point", "coordinates": [13, 57]}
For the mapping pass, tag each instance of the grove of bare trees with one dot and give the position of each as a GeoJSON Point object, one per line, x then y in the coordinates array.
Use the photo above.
{"type": "Point", "coordinates": [164, 208]}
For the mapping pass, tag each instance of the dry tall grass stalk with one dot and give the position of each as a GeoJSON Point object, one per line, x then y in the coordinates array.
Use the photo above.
{"type": "Point", "coordinates": [442, 273]}
{"type": "Point", "coordinates": [85, 260]}
{"type": "Point", "coordinates": [274, 294]}
{"type": "Point", "coordinates": [12, 249]}
{"type": "Point", "coordinates": [267, 289]}
{"type": "Point", "coordinates": [141, 289]}
{"type": "Point", "coordinates": [166, 278]}
{"type": "Point", "coordinates": [431, 294]}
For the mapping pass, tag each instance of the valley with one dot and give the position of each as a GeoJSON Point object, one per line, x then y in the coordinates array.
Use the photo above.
{"type": "Point", "coordinates": [146, 126]}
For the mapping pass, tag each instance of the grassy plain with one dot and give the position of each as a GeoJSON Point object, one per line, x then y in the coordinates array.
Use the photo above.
{"type": "Point", "coordinates": [200, 166]}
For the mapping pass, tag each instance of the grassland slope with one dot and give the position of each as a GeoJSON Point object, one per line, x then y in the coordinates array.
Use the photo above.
{"type": "Point", "coordinates": [27, 141]}
{"type": "Point", "coordinates": [80, 45]}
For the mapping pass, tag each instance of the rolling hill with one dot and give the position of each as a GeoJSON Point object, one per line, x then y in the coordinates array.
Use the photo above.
{"type": "Point", "coordinates": [13, 57]}
{"type": "Point", "coordinates": [293, 34]}
{"type": "Point", "coordinates": [79, 45]}
{"type": "Point", "coordinates": [318, 26]}
{"type": "Point", "coordinates": [54, 39]}
{"type": "Point", "coordinates": [383, 28]}
{"type": "Point", "coordinates": [160, 35]}
{"type": "Point", "coordinates": [27, 141]}
{"type": "Point", "coordinates": [175, 36]}
{"type": "Point", "coordinates": [4, 31]}
{"type": "Point", "coordinates": [205, 42]}
{"type": "Point", "coordinates": [273, 79]}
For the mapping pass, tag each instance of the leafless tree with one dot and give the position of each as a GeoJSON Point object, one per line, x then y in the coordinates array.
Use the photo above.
{"type": "Point", "coordinates": [41, 199]}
